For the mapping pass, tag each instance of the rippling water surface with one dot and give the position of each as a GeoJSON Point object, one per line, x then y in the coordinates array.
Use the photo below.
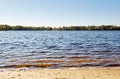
{"type": "Point", "coordinates": [59, 48]}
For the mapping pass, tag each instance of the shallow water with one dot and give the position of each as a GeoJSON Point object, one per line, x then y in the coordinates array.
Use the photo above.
{"type": "Point", "coordinates": [59, 48]}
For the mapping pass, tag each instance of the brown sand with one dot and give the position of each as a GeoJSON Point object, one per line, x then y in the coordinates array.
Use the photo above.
{"type": "Point", "coordinates": [64, 73]}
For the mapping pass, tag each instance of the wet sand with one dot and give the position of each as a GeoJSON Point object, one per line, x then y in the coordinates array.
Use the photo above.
{"type": "Point", "coordinates": [62, 73]}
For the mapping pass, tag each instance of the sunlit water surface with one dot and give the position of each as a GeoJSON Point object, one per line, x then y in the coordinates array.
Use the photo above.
{"type": "Point", "coordinates": [56, 49]}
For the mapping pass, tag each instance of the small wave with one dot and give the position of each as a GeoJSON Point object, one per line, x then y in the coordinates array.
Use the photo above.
{"type": "Point", "coordinates": [101, 51]}
{"type": "Point", "coordinates": [77, 57]}
{"type": "Point", "coordinates": [55, 57]}
{"type": "Point", "coordinates": [112, 65]}
{"type": "Point", "coordinates": [76, 43]}
{"type": "Point", "coordinates": [51, 47]}
{"type": "Point", "coordinates": [28, 65]}
{"type": "Point", "coordinates": [47, 60]}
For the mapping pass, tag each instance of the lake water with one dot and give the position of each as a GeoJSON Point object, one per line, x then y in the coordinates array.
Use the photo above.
{"type": "Point", "coordinates": [56, 49]}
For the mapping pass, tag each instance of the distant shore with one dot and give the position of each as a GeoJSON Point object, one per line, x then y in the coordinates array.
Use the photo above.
{"type": "Point", "coordinates": [90, 27]}
{"type": "Point", "coordinates": [63, 73]}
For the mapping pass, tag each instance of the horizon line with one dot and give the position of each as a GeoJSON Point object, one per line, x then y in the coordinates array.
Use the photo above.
{"type": "Point", "coordinates": [58, 25]}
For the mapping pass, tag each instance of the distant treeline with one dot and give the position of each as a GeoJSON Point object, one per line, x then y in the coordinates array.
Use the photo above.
{"type": "Point", "coordinates": [101, 27]}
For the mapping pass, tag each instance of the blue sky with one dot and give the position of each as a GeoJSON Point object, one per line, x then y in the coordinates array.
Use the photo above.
{"type": "Point", "coordinates": [59, 12]}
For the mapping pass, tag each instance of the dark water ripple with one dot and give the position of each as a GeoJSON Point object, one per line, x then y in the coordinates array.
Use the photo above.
{"type": "Point", "coordinates": [59, 48]}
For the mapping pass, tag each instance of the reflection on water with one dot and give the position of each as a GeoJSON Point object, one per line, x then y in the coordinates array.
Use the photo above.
{"type": "Point", "coordinates": [59, 48]}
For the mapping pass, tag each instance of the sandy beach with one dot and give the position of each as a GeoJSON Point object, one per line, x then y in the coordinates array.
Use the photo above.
{"type": "Point", "coordinates": [63, 73]}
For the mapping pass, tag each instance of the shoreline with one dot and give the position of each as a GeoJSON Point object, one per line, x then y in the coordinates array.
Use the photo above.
{"type": "Point", "coordinates": [61, 73]}
{"type": "Point", "coordinates": [86, 67]}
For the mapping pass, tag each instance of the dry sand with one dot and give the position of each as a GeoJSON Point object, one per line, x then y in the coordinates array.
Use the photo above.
{"type": "Point", "coordinates": [65, 73]}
